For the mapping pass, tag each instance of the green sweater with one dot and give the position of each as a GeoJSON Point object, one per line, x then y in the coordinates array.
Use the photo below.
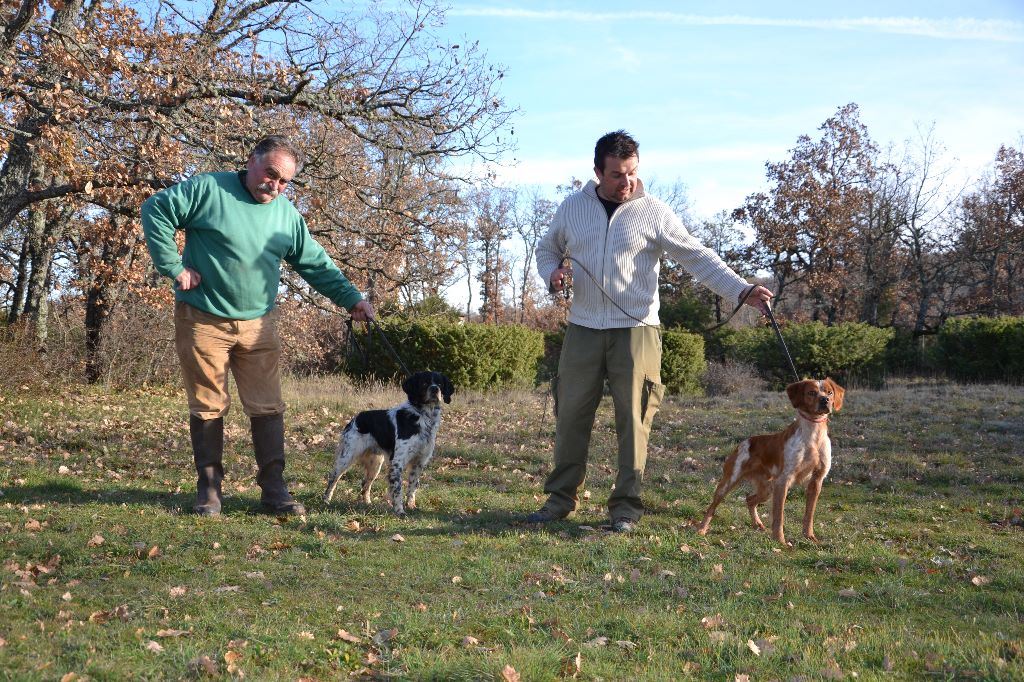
{"type": "Point", "coordinates": [236, 245]}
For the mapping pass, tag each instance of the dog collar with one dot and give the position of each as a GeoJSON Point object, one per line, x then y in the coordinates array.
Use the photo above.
{"type": "Point", "coordinates": [816, 420]}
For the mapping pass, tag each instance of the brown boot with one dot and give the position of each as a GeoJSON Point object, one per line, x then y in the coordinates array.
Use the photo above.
{"type": "Point", "coordinates": [268, 444]}
{"type": "Point", "coordinates": [207, 452]}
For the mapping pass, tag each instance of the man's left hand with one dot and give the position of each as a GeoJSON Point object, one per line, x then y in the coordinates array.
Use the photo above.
{"type": "Point", "coordinates": [362, 311]}
{"type": "Point", "coordinates": [759, 298]}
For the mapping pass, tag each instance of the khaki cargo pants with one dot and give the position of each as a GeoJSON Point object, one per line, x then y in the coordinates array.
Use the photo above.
{"type": "Point", "coordinates": [630, 360]}
{"type": "Point", "coordinates": [209, 346]}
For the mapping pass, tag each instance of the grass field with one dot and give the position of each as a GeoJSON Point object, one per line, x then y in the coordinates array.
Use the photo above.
{"type": "Point", "coordinates": [106, 574]}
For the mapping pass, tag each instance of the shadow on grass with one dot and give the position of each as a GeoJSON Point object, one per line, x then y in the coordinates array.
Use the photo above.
{"type": "Point", "coordinates": [73, 494]}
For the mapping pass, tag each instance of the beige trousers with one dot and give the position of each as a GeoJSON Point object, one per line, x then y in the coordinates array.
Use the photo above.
{"type": "Point", "coordinates": [630, 360]}
{"type": "Point", "coordinates": [209, 346]}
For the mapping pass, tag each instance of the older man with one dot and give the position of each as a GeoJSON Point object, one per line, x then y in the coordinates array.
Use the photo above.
{"type": "Point", "coordinates": [238, 228]}
{"type": "Point", "coordinates": [618, 234]}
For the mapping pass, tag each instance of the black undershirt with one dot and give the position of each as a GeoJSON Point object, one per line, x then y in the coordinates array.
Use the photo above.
{"type": "Point", "coordinates": [609, 206]}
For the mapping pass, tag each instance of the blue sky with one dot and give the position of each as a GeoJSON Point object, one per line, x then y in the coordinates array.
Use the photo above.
{"type": "Point", "coordinates": [713, 90]}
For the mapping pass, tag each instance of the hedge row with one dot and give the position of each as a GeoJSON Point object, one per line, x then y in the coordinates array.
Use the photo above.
{"type": "Point", "coordinates": [983, 349]}
{"type": "Point", "coordinates": [845, 352]}
{"type": "Point", "coordinates": [471, 355]}
{"type": "Point", "coordinates": [488, 356]}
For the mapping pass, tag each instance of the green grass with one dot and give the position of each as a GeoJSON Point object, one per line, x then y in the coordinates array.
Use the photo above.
{"type": "Point", "coordinates": [918, 575]}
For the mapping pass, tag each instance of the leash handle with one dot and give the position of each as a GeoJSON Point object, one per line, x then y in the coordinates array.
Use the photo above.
{"type": "Point", "coordinates": [566, 278]}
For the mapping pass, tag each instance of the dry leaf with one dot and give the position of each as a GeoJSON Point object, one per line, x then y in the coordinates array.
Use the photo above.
{"type": "Point", "coordinates": [203, 664]}
{"type": "Point", "coordinates": [421, 607]}
{"type": "Point", "coordinates": [153, 553]}
{"type": "Point", "coordinates": [397, 537]}
{"type": "Point", "coordinates": [718, 636]}
{"type": "Point", "coordinates": [385, 636]}
{"type": "Point", "coordinates": [849, 592]}
{"type": "Point", "coordinates": [753, 647]}
{"type": "Point", "coordinates": [509, 674]}
{"type": "Point", "coordinates": [980, 580]}
{"type": "Point", "coordinates": [172, 633]}
{"type": "Point", "coordinates": [33, 525]}
{"type": "Point", "coordinates": [573, 667]}
{"type": "Point", "coordinates": [712, 622]}
{"type": "Point", "coordinates": [624, 644]}
{"type": "Point", "coordinates": [353, 526]}
{"type": "Point", "coordinates": [232, 657]}
{"type": "Point", "coordinates": [345, 636]}
{"type": "Point", "coordinates": [597, 641]}
{"type": "Point", "coordinates": [228, 588]}
{"type": "Point", "coordinates": [469, 641]}
{"type": "Point", "coordinates": [456, 579]}
{"type": "Point", "coordinates": [178, 591]}
{"type": "Point", "coordinates": [742, 677]}
{"type": "Point", "coordinates": [154, 647]}
{"type": "Point", "coordinates": [96, 540]}
{"type": "Point", "coordinates": [99, 617]}
{"type": "Point", "coordinates": [69, 677]}
{"type": "Point", "coordinates": [305, 635]}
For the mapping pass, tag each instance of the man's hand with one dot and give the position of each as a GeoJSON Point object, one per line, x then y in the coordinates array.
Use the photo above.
{"type": "Point", "coordinates": [758, 297]}
{"type": "Point", "coordinates": [559, 277]}
{"type": "Point", "coordinates": [187, 279]}
{"type": "Point", "coordinates": [361, 312]}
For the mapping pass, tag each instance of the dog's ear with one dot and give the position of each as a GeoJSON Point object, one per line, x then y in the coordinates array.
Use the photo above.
{"type": "Point", "coordinates": [409, 386]}
{"type": "Point", "coordinates": [447, 388]}
{"type": "Point", "coordinates": [838, 392]}
{"type": "Point", "coordinates": [795, 393]}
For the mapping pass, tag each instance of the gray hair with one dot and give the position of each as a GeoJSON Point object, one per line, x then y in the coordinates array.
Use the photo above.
{"type": "Point", "coordinates": [278, 143]}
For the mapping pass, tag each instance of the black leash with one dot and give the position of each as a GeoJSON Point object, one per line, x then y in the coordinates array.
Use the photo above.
{"type": "Point", "coordinates": [387, 344]}
{"type": "Point", "coordinates": [782, 342]}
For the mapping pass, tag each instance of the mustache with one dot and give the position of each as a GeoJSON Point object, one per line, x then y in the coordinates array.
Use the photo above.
{"type": "Point", "coordinates": [268, 188]}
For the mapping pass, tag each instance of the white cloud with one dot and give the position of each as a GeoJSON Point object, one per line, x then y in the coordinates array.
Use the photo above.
{"type": "Point", "coordinates": [960, 28]}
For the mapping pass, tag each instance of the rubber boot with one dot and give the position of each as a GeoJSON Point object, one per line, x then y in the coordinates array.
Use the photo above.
{"type": "Point", "coordinates": [207, 451]}
{"type": "Point", "coordinates": [268, 444]}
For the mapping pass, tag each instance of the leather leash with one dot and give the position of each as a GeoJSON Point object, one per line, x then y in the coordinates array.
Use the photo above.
{"type": "Point", "coordinates": [374, 326]}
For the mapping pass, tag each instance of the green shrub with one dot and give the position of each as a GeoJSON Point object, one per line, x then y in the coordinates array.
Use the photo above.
{"type": "Point", "coordinates": [471, 355]}
{"type": "Point", "coordinates": [983, 349]}
{"type": "Point", "coordinates": [844, 352]}
{"type": "Point", "coordinates": [682, 361]}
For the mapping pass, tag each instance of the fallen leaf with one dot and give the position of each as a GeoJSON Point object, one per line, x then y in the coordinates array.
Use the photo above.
{"type": "Point", "coordinates": [153, 553]}
{"type": "Point", "coordinates": [718, 636]}
{"type": "Point", "coordinates": [665, 574]}
{"type": "Point", "coordinates": [305, 635]}
{"type": "Point", "coordinates": [96, 540]}
{"type": "Point", "coordinates": [178, 591]}
{"type": "Point", "coordinates": [33, 525]}
{"type": "Point", "coordinates": [421, 607]}
{"type": "Point", "coordinates": [232, 657]}
{"type": "Point", "coordinates": [469, 641]}
{"type": "Point", "coordinates": [227, 588]}
{"type": "Point", "coordinates": [573, 667]}
{"type": "Point", "coordinates": [69, 677]}
{"type": "Point", "coordinates": [980, 580]}
{"type": "Point", "coordinates": [753, 647]}
{"type": "Point", "coordinates": [66, 596]}
{"type": "Point", "coordinates": [509, 674]}
{"type": "Point", "coordinates": [353, 526]}
{"type": "Point", "coordinates": [712, 622]}
{"type": "Point", "coordinates": [203, 664]}
{"type": "Point", "coordinates": [385, 636]}
{"type": "Point", "coordinates": [154, 647]}
{"type": "Point", "coordinates": [456, 579]}
{"type": "Point", "coordinates": [742, 677]}
{"type": "Point", "coordinates": [172, 633]}
{"type": "Point", "coordinates": [597, 641]}
{"type": "Point", "coordinates": [624, 644]}
{"type": "Point", "coordinates": [397, 537]}
{"type": "Point", "coordinates": [849, 592]}
{"type": "Point", "coordinates": [345, 636]}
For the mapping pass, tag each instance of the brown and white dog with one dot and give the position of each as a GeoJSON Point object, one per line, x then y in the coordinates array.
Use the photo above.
{"type": "Point", "coordinates": [775, 462]}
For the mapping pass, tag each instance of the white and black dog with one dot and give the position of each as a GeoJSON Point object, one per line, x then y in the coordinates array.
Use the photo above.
{"type": "Point", "coordinates": [405, 434]}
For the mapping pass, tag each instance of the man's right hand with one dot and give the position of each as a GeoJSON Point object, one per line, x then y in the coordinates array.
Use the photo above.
{"type": "Point", "coordinates": [559, 277]}
{"type": "Point", "coordinates": [187, 279]}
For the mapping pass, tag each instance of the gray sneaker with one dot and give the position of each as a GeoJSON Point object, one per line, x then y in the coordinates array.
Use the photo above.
{"type": "Point", "coordinates": [542, 515]}
{"type": "Point", "coordinates": [623, 526]}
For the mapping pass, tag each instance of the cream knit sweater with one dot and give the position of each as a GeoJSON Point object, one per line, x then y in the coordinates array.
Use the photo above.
{"type": "Point", "coordinates": [624, 255]}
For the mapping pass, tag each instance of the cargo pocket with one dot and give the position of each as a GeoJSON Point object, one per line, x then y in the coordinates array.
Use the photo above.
{"type": "Point", "coordinates": [554, 395]}
{"type": "Point", "coordinates": [650, 399]}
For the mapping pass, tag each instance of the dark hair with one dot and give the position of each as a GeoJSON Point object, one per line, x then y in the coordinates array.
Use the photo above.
{"type": "Point", "coordinates": [618, 144]}
{"type": "Point", "coordinates": [278, 143]}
